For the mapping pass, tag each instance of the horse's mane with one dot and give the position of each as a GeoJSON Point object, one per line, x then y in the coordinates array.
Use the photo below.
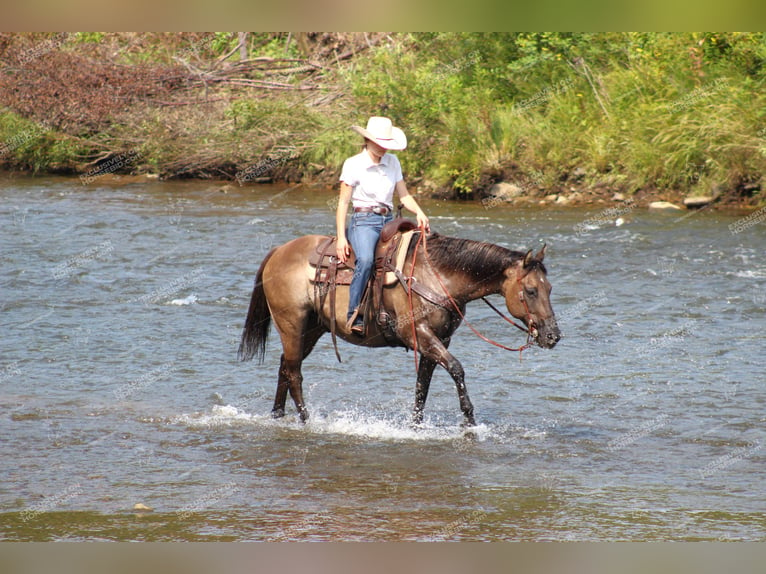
{"type": "Point", "coordinates": [476, 258]}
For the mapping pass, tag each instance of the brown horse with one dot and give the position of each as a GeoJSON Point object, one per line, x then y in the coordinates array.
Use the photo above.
{"type": "Point", "coordinates": [465, 269]}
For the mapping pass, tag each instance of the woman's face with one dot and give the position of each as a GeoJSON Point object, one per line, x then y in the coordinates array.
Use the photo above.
{"type": "Point", "coordinates": [375, 150]}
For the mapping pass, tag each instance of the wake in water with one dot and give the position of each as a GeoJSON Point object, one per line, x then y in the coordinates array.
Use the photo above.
{"type": "Point", "coordinates": [352, 423]}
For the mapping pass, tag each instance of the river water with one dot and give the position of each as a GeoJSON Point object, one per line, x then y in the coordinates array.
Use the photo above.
{"type": "Point", "coordinates": [122, 307]}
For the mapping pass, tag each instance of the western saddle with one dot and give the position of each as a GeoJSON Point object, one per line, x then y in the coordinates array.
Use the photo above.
{"type": "Point", "coordinates": [326, 273]}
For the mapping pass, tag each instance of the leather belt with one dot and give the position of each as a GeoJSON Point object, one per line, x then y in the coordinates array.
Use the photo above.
{"type": "Point", "coordinates": [378, 210]}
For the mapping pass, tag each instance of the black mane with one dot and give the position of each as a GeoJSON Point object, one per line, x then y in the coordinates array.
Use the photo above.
{"type": "Point", "coordinates": [476, 258]}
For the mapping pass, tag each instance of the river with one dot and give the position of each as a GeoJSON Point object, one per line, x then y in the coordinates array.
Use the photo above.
{"type": "Point", "coordinates": [122, 307]}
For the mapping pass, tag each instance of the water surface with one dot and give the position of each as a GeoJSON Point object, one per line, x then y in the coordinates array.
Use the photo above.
{"type": "Point", "coordinates": [121, 313]}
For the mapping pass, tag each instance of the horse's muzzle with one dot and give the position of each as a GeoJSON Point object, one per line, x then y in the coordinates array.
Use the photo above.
{"type": "Point", "coordinates": [547, 334]}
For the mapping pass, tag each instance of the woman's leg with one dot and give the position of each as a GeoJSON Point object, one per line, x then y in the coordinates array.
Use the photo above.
{"type": "Point", "coordinates": [363, 236]}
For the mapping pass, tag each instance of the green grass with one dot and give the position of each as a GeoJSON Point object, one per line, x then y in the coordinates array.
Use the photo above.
{"type": "Point", "coordinates": [28, 145]}
{"type": "Point", "coordinates": [680, 111]}
{"type": "Point", "coordinates": [644, 110]}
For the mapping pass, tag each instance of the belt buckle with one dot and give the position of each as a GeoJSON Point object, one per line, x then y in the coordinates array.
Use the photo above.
{"type": "Point", "coordinates": [380, 210]}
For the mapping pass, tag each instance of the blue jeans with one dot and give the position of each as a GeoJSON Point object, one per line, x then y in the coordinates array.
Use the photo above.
{"type": "Point", "coordinates": [363, 235]}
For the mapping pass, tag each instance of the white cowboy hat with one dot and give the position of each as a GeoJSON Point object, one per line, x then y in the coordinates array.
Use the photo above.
{"type": "Point", "coordinates": [382, 132]}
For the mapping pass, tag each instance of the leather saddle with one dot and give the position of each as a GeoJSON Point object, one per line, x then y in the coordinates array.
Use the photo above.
{"type": "Point", "coordinates": [323, 259]}
{"type": "Point", "coordinates": [326, 271]}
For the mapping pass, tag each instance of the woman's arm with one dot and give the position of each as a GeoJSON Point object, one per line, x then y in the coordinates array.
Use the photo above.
{"type": "Point", "coordinates": [343, 250]}
{"type": "Point", "coordinates": [409, 202]}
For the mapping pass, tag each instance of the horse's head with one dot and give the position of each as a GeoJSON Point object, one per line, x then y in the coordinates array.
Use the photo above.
{"type": "Point", "coordinates": [527, 295]}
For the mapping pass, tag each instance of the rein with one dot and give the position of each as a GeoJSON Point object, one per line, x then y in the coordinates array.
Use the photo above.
{"type": "Point", "coordinates": [511, 321]}
{"type": "Point", "coordinates": [526, 345]}
{"type": "Point", "coordinates": [410, 279]}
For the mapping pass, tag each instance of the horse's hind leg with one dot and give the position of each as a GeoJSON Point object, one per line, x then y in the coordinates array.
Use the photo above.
{"type": "Point", "coordinates": [290, 376]}
{"type": "Point", "coordinates": [278, 410]}
{"type": "Point", "coordinates": [290, 379]}
{"type": "Point", "coordinates": [425, 372]}
{"type": "Point", "coordinates": [291, 370]}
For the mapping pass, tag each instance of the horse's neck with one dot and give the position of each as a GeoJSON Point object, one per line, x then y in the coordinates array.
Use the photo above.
{"type": "Point", "coordinates": [467, 282]}
{"type": "Point", "coordinates": [465, 286]}
{"type": "Point", "coordinates": [476, 289]}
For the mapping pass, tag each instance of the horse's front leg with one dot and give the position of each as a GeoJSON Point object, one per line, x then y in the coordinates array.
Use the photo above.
{"type": "Point", "coordinates": [437, 351]}
{"type": "Point", "coordinates": [455, 369]}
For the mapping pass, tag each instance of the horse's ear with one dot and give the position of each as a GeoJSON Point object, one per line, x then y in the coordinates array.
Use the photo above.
{"type": "Point", "coordinates": [528, 259]}
{"type": "Point", "coordinates": [541, 254]}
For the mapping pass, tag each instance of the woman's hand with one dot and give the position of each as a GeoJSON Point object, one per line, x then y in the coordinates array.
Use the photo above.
{"type": "Point", "coordinates": [423, 221]}
{"type": "Point", "coordinates": [342, 249]}
{"type": "Point", "coordinates": [409, 202]}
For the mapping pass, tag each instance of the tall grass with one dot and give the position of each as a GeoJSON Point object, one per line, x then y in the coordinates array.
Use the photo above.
{"type": "Point", "coordinates": [680, 111]}
{"type": "Point", "coordinates": [35, 146]}
{"type": "Point", "coordinates": [675, 111]}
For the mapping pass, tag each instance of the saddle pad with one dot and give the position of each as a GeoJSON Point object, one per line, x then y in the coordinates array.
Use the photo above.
{"type": "Point", "coordinates": [401, 256]}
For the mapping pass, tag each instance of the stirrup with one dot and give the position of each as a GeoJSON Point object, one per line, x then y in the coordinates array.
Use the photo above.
{"type": "Point", "coordinates": [358, 329]}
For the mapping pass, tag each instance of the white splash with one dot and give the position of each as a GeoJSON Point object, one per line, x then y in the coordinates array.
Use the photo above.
{"type": "Point", "coordinates": [185, 301]}
{"type": "Point", "coordinates": [751, 274]}
{"type": "Point", "coordinates": [219, 416]}
{"type": "Point", "coordinates": [348, 423]}
{"type": "Point", "coordinates": [360, 424]}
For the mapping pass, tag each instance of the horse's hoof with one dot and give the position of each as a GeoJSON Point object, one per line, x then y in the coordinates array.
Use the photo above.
{"type": "Point", "coordinates": [469, 434]}
{"type": "Point", "coordinates": [304, 414]}
{"type": "Point", "coordinates": [277, 413]}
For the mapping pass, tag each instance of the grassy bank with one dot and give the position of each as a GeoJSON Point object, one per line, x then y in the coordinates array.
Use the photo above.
{"type": "Point", "coordinates": [551, 112]}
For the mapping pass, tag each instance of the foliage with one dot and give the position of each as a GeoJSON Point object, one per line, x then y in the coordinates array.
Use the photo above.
{"type": "Point", "coordinates": [35, 146]}
{"type": "Point", "coordinates": [629, 110]}
{"type": "Point", "coordinates": [89, 37]}
{"type": "Point", "coordinates": [644, 109]}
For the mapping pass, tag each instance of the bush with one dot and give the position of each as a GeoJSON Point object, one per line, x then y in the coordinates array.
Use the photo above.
{"type": "Point", "coordinates": [643, 109]}
{"type": "Point", "coordinates": [629, 110]}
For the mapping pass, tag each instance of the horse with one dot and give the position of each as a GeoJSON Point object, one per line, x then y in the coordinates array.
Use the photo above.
{"type": "Point", "coordinates": [462, 270]}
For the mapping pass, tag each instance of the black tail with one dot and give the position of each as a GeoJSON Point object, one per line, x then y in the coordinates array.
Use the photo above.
{"type": "Point", "coordinates": [258, 321]}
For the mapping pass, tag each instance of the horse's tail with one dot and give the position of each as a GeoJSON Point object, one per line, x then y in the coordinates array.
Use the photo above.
{"type": "Point", "coordinates": [258, 321]}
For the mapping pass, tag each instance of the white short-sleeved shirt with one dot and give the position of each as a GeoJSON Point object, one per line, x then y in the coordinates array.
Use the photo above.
{"type": "Point", "coordinates": [373, 184]}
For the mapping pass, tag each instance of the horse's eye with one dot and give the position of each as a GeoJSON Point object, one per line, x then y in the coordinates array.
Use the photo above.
{"type": "Point", "coordinates": [531, 292]}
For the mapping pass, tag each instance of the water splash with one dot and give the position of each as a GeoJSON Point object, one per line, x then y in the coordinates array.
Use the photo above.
{"type": "Point", "coordinates": [185, 301]}
{"type": "Point", "coordinates": [352, 423]}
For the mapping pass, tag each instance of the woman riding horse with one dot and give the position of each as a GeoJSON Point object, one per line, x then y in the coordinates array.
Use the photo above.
{"type": "Point", "coordinates": [369, 180]}
{"type": "Point", "coordinates": [461, 270]}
